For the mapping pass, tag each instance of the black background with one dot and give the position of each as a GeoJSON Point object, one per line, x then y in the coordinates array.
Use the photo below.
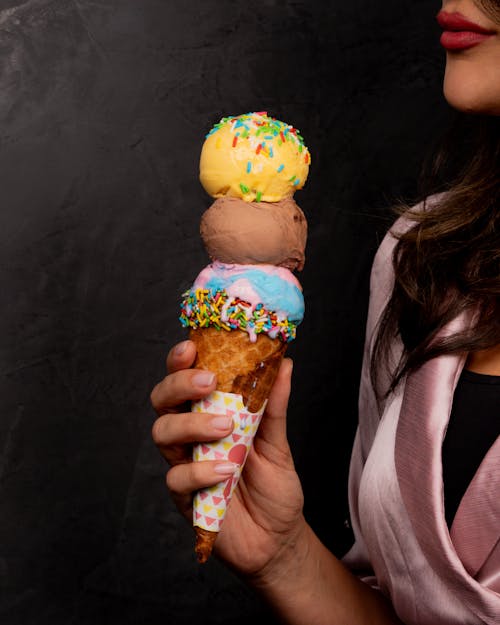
{"type": "Point", "coordinates": [104, 105]}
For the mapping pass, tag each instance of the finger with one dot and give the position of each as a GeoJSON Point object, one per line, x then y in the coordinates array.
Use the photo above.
{"type": "Point", "coordinates": [183, 428]}
{"type": "Point", "coordinates": [181, 386]}
{"type": "Point", "coordinates": [184, 479]}
{"type": "Point", "coordinates": [181, 356]}
{"type": "Point", "coordinates": [273, 426]}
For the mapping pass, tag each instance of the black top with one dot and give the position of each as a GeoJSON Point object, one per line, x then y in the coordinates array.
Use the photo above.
{"type": "Point", "coordinates": [473, 428]}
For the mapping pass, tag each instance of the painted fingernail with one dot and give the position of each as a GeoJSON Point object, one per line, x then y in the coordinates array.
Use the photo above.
{"type": "Point", "coordinates": [203, 378]}
{"type": "Point", "coordinates": [221, 423]}
{"type": "Point", "coordinates": [225, 468]}
{"type": "Point", "coordinates": [181, 348]}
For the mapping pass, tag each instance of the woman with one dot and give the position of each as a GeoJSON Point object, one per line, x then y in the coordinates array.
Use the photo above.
{"type": "Point", "coordinates": [427, 547]}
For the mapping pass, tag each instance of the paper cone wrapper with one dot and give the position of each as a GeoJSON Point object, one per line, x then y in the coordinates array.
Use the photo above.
{"type": "Point", "coordinates": [210, 504]}
{"type": "Point", "coordinates": [245, 372]}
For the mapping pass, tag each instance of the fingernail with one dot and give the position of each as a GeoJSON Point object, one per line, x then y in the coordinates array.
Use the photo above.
{"type": "Point", "coordinates": [225, 468]}
{"type": "Point", "coordinates": [221, 423]}
{"type": "Point", "coordinates": [181, 348]}
{"type": "Point", "coordinates": [203, 378]}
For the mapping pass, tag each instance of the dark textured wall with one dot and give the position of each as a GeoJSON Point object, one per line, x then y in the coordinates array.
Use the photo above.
{"type": "Point", "coordinates": [103, 108]}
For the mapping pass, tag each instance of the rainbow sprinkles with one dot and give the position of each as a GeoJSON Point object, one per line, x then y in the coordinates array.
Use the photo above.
{"type": "Point", "coordinates": [203, 308]}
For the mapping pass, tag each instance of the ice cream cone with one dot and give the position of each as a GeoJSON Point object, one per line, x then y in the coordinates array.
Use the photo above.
{"type": "Point", "coordinates": [245, 373]}
{"type": "Point", "coordinates": [242, 367]}
{"type": "Point", "coordinates": [243, 308]}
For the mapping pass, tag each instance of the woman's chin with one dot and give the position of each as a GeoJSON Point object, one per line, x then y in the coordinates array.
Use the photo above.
{"type": "Point", "coordinates": [471, 94]}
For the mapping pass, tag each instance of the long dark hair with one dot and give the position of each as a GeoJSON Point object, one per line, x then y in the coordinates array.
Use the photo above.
{"type": "Point", "coordinates": [491, 8]}
{"type": "Point", "coordinates": [449, 260]}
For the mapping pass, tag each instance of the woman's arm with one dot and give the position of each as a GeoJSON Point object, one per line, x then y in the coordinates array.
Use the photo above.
{"type": "Point", "coordinates": [307, 584]}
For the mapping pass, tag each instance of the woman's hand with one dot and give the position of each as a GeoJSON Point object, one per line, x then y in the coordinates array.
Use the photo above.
{"type": "Point", "coordinates": [264, 516]}
{"type": "Point", "coordinates": [264, 536]}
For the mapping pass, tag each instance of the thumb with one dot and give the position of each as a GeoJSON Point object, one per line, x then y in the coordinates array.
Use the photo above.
{"type": "Point", "coordinates": [273, 425]}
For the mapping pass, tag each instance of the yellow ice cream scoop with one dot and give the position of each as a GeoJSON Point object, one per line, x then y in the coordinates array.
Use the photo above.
{"type": "Point", "coordinates": [253, 157]}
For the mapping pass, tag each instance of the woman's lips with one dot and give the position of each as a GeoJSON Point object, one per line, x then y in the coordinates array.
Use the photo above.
{"type": "Point", "coordinates": [461, 40]}
{"type": "Point", "coordinates": [459, 32]}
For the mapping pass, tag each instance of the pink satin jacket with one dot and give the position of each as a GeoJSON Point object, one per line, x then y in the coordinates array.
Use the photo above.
{"type": "Point", "coordinates": [433, 576]}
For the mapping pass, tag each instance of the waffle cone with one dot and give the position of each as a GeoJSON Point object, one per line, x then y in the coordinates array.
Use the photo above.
{"type": "Point", "coordinates": [205, 540]}
{"type": "Point", "coordinates": [244, 368]}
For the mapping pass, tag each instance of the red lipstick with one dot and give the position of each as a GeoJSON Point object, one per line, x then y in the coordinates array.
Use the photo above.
{"type": "Point", "coordinates": [459, 33]}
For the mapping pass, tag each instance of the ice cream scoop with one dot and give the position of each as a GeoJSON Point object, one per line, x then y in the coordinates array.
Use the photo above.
{"type": "Point", "coordinates": [253, 298]}
{"type": "Point", "coordinates": [235, 231]}
{"type": "Point", "coordinates": [253, 157]}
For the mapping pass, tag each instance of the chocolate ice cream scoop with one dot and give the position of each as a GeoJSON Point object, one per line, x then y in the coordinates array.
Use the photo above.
{"type": "Point", "coordinates": [235, 231]}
